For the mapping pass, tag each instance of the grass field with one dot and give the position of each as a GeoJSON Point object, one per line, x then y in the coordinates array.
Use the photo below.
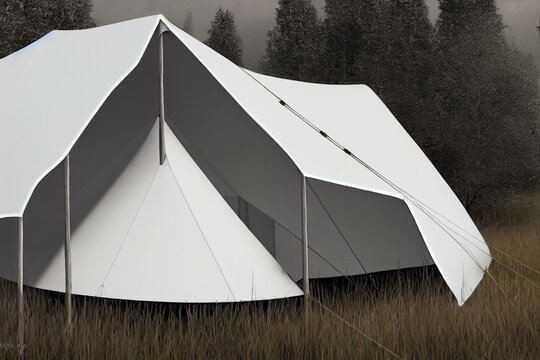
{"type": "Point", "coordinates": [410, 312]}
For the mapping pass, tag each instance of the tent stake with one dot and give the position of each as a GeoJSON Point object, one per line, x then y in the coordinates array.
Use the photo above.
{"type": "Point", "coordinates": [161, 102]}
{"type": "Point", "coordinates": [305, 248]}
{"type": "Point", "coordinates": [67, 239]}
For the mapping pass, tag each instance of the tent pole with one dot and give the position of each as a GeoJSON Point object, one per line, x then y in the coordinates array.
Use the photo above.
{"type": "Point", "coordinates": [20, 288]}
{"type": "Point", "coordinates": [305, 247]}
{"type": "Point", "coordinates": [161, 102]}
{"type": "Point", "coordinates": [67, 239]}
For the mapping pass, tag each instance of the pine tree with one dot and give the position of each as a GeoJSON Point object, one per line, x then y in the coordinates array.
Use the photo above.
{"type": "Point", "coordinates": [187, 26]}
{"type": "Point", "coordinates": [355, 33]}
{"type": "Point", "coordinates": [22, 22]}
{"type": "Point", "coordinates": [409, 66]}
{"type": "Point", "coordinates": [223, 37]}
{"type": "Point", "coordinates": [293, 45]}
{"type": "Point", "coordinates": [488, 101]}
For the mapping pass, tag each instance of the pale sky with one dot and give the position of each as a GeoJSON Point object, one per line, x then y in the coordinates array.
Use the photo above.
{"type": "Point", "coordinates": [255, 17]}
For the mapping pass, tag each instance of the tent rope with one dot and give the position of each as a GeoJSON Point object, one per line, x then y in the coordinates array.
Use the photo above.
{"type": "Point", "coordinates": [515, 260]}
{"type": "Point", "coordinates": [355, 328]}
{"type": "Point", "coordinates": [416, 202]}
{"type": "Point", "coordinates": [500, 288]}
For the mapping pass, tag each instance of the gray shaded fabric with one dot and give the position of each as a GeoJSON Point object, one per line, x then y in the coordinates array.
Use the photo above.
{"type": "Point", "coordinates": [44, 229]}
{"type": "Point", "coordinates": [260, 224]}
{"type": "Point", "coordinates": [9, 240]}
{"type": "Point", "coordinates": [380, 230]}
{"type": "Point", "coordinates": [244, 156]}
{"type": "Point", "coordinates": [289, 256]}
{"type": "Point", "coordinates": [326, 239]}
{"type": "Point", "coordinates": [114, 135]}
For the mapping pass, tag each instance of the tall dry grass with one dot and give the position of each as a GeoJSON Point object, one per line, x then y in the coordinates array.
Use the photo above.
{"type": "Point", "coordinates": [410, 312]}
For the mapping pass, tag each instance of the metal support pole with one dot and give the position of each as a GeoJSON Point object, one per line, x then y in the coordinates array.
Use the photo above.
{"type": "Point", "coordinates": [305, 248]}
{"type": "Point", "coordinates": [20, 280]}
{"type": "Point", "coordinates": [67, 239]}
{"type": "Point", "coordinates": [162, 154]}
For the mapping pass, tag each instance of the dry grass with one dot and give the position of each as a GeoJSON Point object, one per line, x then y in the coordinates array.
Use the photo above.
{"type": "Point", "coordinates": [410, 312]}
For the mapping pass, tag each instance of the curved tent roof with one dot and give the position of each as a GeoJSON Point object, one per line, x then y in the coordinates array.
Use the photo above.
{"type": "Point", "coordinates": [68, 76]}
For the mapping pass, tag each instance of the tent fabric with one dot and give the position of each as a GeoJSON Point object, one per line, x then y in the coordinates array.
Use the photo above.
{"type": "Point", "coordinates": [67, 75]}
{"type": "Point", "coordinates": [157, 235]}
{"type": "Point", "coordinates": [353, 115]}
{"type": "Point", "coordinates": [263, 184]}
{"type": "Point", "coordinates": [71, 78]}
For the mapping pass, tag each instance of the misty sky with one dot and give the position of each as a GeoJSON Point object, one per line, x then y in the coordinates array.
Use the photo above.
{"type": "Point", "coordinates": [255, 17]}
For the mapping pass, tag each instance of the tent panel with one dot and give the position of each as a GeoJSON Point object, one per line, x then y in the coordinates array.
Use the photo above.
{"type": "Point", "coordinates": [251, 272]}
{"type": "Point", "coordinates": [222, 187]}
{"type": "Point", "coordinates": [164, 256]}
{"type": "Point", "coordinates": [99, 236]}
{"type": "Point", "coordinates": [461, 263]}
{"type": "Point", "coordinates": [289, 256]}
{"type": "Point", "coordinates": [115, 134]}
{"type": "Point", "coordinates": [99, 156]}
{"type": "Point", "coordinates": [44, 229]}
{"type": "Point", "coordinates": [379, 229]}
{"type": "Point", "coordinates": [288, 252]}
{"type": "Point", "coordinates": [65, 92]}
{"type": "Point", "coordinates": [325, 238]}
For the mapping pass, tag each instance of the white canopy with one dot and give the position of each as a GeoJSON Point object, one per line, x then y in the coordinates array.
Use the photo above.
{"type": "Point", "coordinates": [94, 94]}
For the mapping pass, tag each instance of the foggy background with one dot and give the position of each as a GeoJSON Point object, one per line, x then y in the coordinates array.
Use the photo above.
{"type": "Point", "coordinates": [255, 17]}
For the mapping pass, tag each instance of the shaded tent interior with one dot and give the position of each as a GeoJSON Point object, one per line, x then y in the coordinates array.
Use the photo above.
{"type": "Point", "coordinates": [350, 231]}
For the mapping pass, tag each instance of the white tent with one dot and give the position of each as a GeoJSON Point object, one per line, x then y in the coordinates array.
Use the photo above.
{"type": "Point", "coordinates": [222, 219]}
